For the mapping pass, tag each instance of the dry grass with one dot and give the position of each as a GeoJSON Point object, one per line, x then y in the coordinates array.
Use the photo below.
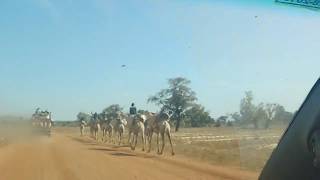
{"type": "Point", "coordinates": [247, 149]}
{"type": "Point", "coordinates": [241, 148]}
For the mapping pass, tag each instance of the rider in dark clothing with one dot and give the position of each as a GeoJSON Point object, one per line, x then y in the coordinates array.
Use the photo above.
{"type": "Point", "coordinates": [133, 112]}
{"type": "Point", "coordinates": [133, 109]}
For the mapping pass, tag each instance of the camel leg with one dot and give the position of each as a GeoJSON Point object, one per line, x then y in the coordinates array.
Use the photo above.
{"type": "Point", "coordinates": [103, 135]}
{"type": "Point", "coordinates": [169, 137]}
{"type": "Point", "coordinates": [163, 143]}
{"type": "Point", "coordinates": [135, 140]}
{"type": "Point", "coordinates": [114, 137]}
{"type": "Point", "coordinates": [149, 140]}
{"type": "Point", "coordinates": [110, 136]}
{"type": "Point", "coordinates": [143, 141]}
{"type": "Point", "coordinates": [119, 138]}
{"type": "Point", "coordinates": [145, 138]}
{"type": "Point", "coordinates": [129, 139]}
{"type": "Point", "coordinates": [132, 143]}
{"type": "Point", "coordinates": [158, 143]}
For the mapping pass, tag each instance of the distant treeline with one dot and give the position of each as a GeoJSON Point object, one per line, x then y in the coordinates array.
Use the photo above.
{"type": "Point", "coordinates": [181, 102]}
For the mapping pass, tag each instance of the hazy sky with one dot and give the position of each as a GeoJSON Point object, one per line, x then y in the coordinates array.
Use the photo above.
{"type": "Point", "coordinates": [66, 55]}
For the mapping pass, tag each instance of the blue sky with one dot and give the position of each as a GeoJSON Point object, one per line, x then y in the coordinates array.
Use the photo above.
{"type": "Point", "coordinates": [66, 55]}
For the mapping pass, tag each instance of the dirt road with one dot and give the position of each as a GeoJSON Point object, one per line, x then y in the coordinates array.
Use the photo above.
{"type": "Point", "coordinates": [65, 157]}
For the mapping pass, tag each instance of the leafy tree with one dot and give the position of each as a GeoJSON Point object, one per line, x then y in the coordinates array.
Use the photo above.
{"type": "Point", "coordinates": [196, 116]}
{"type": "Point", "coordinates": [229, 123]}
{"type": "Point", "coordinates": [236, 117]}
{"type": "Point", "coordinates": [217, 124]}
{"type": "Point", "coordinates": [222, 120]}
{"type": "Point", "coordinates": [112, 111]}
{"type": "Point", "coordinates": [282, 115]}
{"type": "Point", "coordinates": [83, 116]}
{"type": "Point", "coordinates": [247, 108]}
{"type": "Point", "coordinates": [259, 115]}
{"type": "Point", "coordinates": [266, 113]}
{"type": "Point", "coordinates": [177, 98]}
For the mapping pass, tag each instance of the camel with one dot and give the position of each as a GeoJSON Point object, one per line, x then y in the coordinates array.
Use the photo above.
{"type": "Point", "coordinates": [130, 128]}
{"type": "Point", "coordinates": [82, 127]}
{"type": "Point", "coordinates": [136, 128]}
{"type": "Point", "coordinates": [107, 130]}
{"type": "Point", "coordinates": [95, 126]}
{"type": "Point", "coordinates": [159, 124]}
{"type": "Point", "coordinates": [120, 128]}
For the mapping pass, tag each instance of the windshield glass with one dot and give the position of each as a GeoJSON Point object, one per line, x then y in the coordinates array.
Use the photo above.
{"type": "Point", "coordinates": [150, 89]}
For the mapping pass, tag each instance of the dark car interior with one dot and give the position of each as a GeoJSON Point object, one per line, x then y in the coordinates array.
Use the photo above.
{"type": "Point", "coordinates": [297, 155]}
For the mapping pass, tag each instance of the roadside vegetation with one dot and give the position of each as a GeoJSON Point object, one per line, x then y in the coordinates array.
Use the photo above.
{"type": "Point", "coordinates": [180, 100]}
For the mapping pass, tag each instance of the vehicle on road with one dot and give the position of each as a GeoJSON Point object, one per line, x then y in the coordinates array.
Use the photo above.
{"type": "Point", "coordinates": [42, 122]}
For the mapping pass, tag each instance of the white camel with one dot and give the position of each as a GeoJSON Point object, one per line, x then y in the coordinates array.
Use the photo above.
{"type": "Point", "coordinates": [130, 128]}
{"type": "Point", "coordinates": [107, 130]}
{"type": "Point", "coordinates": [82, 127]}
{"type": "Point", "coordinates": [95, 128]}
{"type": "Point", "coordinates": [136, 128]}
{"type": "Point", "coordinates": [159, 124]}
{"type": "Point", "coordinates": [120, 128]}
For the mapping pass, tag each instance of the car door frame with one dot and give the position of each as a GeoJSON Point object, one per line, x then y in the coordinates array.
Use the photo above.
{"type": "Point", "coordinates": [292, 158]}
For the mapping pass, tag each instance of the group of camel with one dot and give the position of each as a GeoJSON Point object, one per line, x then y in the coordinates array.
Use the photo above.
{"type": "Point", "coordinates": [144, 125]}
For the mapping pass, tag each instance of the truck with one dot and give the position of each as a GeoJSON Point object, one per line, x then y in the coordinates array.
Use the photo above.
{"type": "Point", "coordinates": [42, 122]}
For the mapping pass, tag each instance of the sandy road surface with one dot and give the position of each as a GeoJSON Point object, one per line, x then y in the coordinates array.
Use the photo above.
{"type": "Point", "coordinates": [63, 157]}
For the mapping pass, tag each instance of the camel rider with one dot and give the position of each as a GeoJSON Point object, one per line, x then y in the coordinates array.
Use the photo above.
{"type": "Point", "coordinates": [133, 112]}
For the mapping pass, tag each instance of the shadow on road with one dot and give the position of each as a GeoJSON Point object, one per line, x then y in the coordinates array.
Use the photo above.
{"type": "Point", "coordinates": [114, 149]}
{"type": "Point", "coordinates": [121, 146]}
{"type": "Point", "coordinates": [123, 154]}
{"type": "Point", "coordinates": [102, 149]}
{"type": "Point", "coordinates": [84, 141]}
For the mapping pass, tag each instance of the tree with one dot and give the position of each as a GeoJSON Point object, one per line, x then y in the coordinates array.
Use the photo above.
{"type": "Point", "coordinates": [177, 98]}
{"type": "Point", "coordinates": [282, 115]}
{"type": "Point", "coordinates": [266, 113]}
{"type": "Point", "coordinates": [229, 123]}
{"type": "Point", "coordinates": [112, 111]}
{"type": "Point", "coordinates": [217, 124]}
{"type": "Point", "coordinates": [196, 116]}
{"type": "Point", "coordinates": [259, 115]}
{"type": "Point", "coordinates": [236, 117]}
{"type": "Point", "coordinates": [83, 116]}
{"type": "Point", "coordinates": [247, 108]}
